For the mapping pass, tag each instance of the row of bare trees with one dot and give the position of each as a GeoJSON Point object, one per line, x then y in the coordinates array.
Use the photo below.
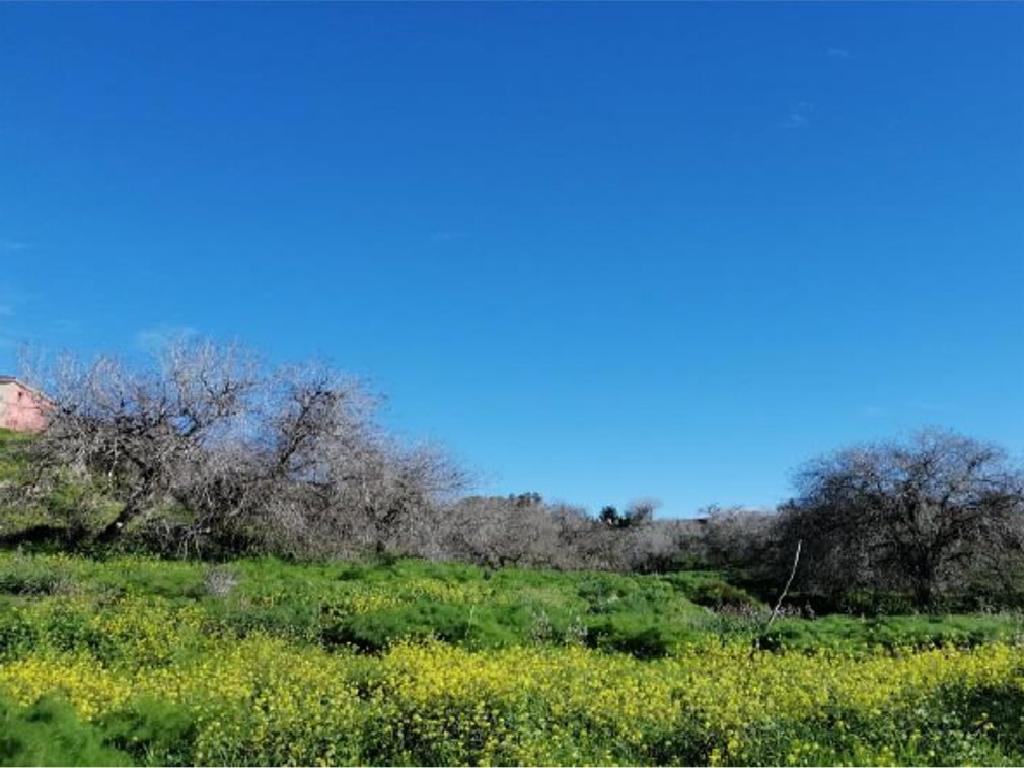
{"type": "Point", "coordinates": [524, 530]}
{"type": "Point", "coordinates": [208, 450]}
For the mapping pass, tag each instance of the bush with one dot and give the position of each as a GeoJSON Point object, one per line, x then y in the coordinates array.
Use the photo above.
{"type": "Point", "coordinates": [152, 732]}
{"type": "Point", "coordinates": [892, 632]}
{"type": "Point", "coordinates": [49, 733]}
{"type": "Point", "coordinates": [376, 631]}
{"type": "Point", "coordinates": [644, 639]}
{"type": "Point", "coordinates": [874, 602]}
{"type": "Point", "coordinates": [715, 593]}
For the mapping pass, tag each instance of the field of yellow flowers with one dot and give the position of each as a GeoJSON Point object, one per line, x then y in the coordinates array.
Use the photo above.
{"type": "Point", "coordinates": [154, 668]}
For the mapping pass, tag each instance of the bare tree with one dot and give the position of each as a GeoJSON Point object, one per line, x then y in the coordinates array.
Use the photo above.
{"type": "Point", "coordinates": [524, 530]}
{"type": "Point", "coordinates": [738, 536]}
{"type": "Point", "coordinates": [498, 530]}
{"type": "Point", "coordinates": [143, 433]}
{"type": "Point", "coordinates": [919, 516]}
{"type": "Point", "coordinates": [641, 511]}
{"type": "Point", "coordinates": [209, 447]}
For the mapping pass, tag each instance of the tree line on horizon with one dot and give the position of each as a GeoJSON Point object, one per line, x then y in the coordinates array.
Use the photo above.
{"type": "Point", "coordinates": [208, 452]}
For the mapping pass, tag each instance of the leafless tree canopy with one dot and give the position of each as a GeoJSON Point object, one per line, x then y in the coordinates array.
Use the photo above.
{"type": "Point", "coordinates": [738, 536]}
{"type": "Point", "coordinates": [524, 530]}
{"type": "Point", "coordinates": [926, 516]}
{"type": "Point", "coordinates": [209, 448]}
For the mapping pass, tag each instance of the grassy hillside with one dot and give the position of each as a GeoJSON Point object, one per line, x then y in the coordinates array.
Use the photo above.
{"type": "Point", "coordinates": [263, 662]}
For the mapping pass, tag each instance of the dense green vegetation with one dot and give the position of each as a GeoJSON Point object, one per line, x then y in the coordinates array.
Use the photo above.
{"type": "Point", "coordinates": [369, 607]}
{"type": "Point", "coordinates": [262, 661]}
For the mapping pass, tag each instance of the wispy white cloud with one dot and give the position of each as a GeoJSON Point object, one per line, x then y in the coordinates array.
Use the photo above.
{"type": "Point", "coordinates": [158, 337]}
{"type": "Point", "coordinates": [799, 115]}
{"type": "Point", "coordinates": [839, 53]}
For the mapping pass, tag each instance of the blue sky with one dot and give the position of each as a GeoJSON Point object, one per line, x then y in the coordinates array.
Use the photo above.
{"type": "Point", "coordinates": [600, 251]}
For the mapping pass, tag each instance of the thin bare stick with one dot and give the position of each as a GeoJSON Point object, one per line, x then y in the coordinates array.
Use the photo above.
{"type": "Point", "coordinates": [756, 645]}
{"type": "Point", "coordinates": [785, 590]}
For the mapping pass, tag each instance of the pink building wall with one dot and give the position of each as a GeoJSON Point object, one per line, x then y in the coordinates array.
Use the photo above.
{"type": "Point", "coordinates": [21, 409]}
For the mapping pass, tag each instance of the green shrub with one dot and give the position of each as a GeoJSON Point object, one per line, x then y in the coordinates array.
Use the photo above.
{"type": "Point", "coordinates": [49, 733]}
{"type": "Point", "coordinates": [893, 632]}
{"type": "Point", "coordinates": [874, 603]}
{"type": "Point", "coordinates": [640, 636]}
{"type": "Point", "coordinates": [715, 593]}
{"type": "Point", "coordinates": [486, 628]}
{"type": "Point", "coordinates": [152, 732]}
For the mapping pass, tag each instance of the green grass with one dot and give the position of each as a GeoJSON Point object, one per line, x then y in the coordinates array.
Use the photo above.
{"type": "Point", "coordinates": [12, 454]}
{"type": "Point", "coordinates": [839, 632]}
{"type": "Point", "coordinates": [371, 606]}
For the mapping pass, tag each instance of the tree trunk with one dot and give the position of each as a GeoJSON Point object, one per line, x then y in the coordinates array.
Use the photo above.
{"type": "Point", "coordinates": [924, 591]}
{"type": "Point", "coordinates": [114, 528]}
